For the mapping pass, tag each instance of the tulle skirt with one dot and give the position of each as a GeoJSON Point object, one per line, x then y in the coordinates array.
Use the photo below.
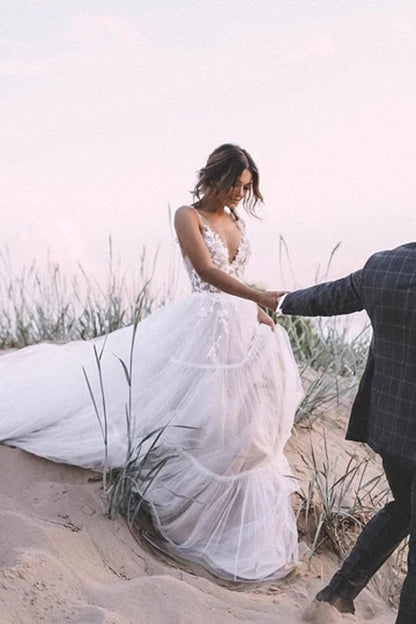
{"type": "Point", "coordinates": [223, 388]}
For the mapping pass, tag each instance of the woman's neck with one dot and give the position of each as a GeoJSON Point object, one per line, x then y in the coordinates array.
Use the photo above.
{"type": "Point", "coordinates": [212, 205]}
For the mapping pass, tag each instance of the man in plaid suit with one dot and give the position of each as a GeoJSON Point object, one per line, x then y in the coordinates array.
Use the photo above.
{"type": "Point", "coordinates": [384, 411]}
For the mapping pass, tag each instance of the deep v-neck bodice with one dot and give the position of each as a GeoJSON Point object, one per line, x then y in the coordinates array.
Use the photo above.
{"type": "Point", "coordinates": [205, 223]}
{"type": "Point", "coordinates": [220, 255]}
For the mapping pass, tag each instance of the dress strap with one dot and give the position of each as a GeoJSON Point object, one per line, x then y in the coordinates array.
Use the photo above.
{"type": "Point", "coordinates": [202, 220]}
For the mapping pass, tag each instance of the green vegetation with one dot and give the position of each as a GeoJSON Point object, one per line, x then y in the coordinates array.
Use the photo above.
{"type": "Point", "coordinates": [40, 304]}
{"type": "Point", "coordinates": [339, 499]}
{"type": "Point", "coordinates": [330, 362]}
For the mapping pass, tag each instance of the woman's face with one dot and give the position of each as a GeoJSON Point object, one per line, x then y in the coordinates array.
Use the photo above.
{"type": "Point", "coordinates": [232, 196]}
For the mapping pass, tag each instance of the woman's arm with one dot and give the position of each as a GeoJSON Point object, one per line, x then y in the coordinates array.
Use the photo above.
{"type": "Point", "coordinates": [193, 246]}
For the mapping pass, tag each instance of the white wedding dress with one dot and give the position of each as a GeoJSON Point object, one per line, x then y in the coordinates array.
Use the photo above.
{"type": "Point", "coordinates": [223, 498]}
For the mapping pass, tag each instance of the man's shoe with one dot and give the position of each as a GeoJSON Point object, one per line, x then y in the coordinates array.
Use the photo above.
{"type": "Point", "coordinates": [342, 604]}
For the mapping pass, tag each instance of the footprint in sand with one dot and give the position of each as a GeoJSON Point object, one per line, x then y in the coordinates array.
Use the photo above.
{"type": "Point", "coordinates": [321, 613]}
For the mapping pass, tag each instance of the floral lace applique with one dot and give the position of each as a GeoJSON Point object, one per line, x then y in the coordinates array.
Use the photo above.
{"type": "Point", "coordinates": [220, 259]}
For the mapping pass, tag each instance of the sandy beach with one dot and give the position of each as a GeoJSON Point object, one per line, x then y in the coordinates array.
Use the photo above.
{"type": "Point", "coordinates": [62, 560]}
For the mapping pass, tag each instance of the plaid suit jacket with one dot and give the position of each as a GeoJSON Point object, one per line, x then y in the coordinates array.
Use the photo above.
{"type": "Point", "coordinates": [384, 410]}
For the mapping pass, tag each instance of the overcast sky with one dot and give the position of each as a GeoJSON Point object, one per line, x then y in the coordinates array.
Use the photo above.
{"type": "Point", "coordinates": [108, 108]}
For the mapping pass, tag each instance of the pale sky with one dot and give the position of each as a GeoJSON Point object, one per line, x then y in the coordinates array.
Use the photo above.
{"type": "Point", "coordinates": [108, 108]}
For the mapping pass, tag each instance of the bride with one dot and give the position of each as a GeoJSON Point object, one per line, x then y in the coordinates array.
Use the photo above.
{"type": "Point", "coordinates": [212, 368]}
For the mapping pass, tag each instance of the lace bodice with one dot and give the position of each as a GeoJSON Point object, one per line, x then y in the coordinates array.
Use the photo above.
{"type": "Point", "coordinates": [219, 255]}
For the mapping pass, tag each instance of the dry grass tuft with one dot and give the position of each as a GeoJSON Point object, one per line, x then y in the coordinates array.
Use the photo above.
{"type": "Point", "coordinates": [339, 499]}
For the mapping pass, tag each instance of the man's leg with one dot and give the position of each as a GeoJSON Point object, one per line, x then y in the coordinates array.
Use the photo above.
{"type": "Point", "coordinates": [407, 606]}
{"type": "Point", "coordinates": [379, 538]}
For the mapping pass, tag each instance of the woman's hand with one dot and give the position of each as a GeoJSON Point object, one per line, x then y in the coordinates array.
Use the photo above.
{"type": "Point", "coordinates": [264, 318]}
{"type": "Point", "coordinates": [269, 298]}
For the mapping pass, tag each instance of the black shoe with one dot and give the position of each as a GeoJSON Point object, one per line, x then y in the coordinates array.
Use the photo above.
{"type": "Point", "coordinates": [342, 604]}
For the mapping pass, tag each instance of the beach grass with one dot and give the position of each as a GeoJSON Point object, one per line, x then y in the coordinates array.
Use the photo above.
{"type": "Point", "coordinates": [340, 497]}
{"type": "Point", "coordinates": [330, 361]}
{"type": "Point", "coordinates": [40, 303]}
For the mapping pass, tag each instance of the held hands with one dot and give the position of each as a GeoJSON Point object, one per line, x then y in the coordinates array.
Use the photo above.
{"type": "Point", "coordinates": [269, 298]}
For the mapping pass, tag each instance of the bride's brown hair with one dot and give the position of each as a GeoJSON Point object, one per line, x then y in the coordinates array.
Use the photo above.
{"type": "Point", "coordinates": [224, 167]}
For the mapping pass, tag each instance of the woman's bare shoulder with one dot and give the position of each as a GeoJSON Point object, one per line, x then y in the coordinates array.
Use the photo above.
{"type": "Point", "coordinates": [184, 214]}
{"type": "Point", "coordinates": [185, 210]}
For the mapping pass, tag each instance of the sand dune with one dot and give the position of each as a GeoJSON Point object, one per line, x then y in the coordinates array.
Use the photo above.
{"type": "Point", "coordinates": [63, 561]}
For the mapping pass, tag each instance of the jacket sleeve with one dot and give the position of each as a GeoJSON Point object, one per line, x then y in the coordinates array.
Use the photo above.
{"type": "Point", "coordinates": [341, 296]}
